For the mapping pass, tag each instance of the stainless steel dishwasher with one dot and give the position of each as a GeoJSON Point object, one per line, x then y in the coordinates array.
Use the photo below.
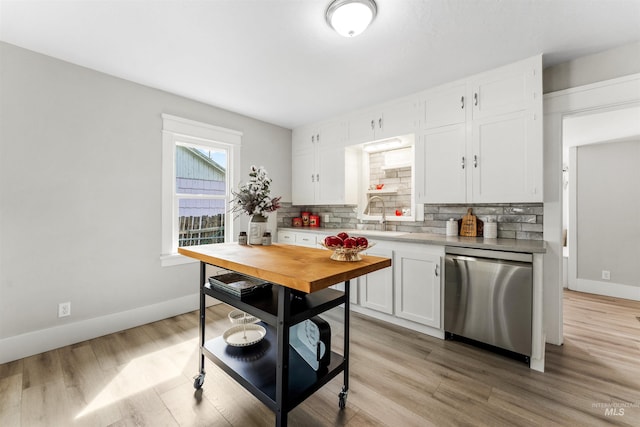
{"type": "Point", "coordinates": [488, 297]}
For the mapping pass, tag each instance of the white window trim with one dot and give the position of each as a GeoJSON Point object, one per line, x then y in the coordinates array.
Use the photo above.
{"type": "Point", "coordinates": [176, 129]}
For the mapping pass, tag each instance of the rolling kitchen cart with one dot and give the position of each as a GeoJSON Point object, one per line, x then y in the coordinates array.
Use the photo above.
{"type": "Point", "coordinates": [274, 373]}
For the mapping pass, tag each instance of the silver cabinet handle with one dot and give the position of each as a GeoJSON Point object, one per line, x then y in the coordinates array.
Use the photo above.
{"type": "Point", "coordinates": [318, 138]}
{"type": "Point", "coordinates": [380, 123]}
{"type": "Point", "coordinates": [462, 162]}
{"type": "Point", "coordinates": [436, 270]}
{"type": "Point", "coordinates": [475, 98]}
{"type": "Point", "coordinates": [475, 161]}
{"type": "Point", "coordinates": [317, 177]}
{"type": "Point", "coordinates": [462, 102]}
{"type": "Point", "coordinates": [373, 124]}
{"type": "Point", "coordinates": [313, 178]}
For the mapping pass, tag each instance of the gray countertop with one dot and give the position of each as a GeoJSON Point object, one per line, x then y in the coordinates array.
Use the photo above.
{"type": "Point", "coordinates": [511, 245]}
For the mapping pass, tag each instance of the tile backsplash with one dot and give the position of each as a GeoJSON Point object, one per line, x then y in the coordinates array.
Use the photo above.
{"type": "Point", "coordinates": [515, 220]}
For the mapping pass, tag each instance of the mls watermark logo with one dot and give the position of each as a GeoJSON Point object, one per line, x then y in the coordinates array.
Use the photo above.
{"type": "Point", "coordinates": [615, 409]}
{"type": "Point", "coordinates": [613, 412]}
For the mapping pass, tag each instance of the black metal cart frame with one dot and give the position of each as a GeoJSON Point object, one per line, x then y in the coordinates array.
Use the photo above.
{"type": "Point", "coordinates": [278, 377]}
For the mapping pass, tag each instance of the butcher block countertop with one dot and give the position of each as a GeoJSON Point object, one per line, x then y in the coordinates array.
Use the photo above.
{"type": "Point", "coordinates": [296, 267]}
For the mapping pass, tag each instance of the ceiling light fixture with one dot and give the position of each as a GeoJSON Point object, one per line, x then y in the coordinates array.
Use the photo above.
{"type": "Point", "coordinates": [384, 145]}
{"type": "Point", "coordinates": [351, 17]}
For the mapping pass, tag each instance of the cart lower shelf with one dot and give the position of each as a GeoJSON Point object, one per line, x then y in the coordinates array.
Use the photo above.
{"type": "Point", "coordinates": [255, 368]}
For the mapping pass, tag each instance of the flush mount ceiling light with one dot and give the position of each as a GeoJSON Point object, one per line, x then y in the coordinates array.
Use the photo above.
{"type": "Point", "coordinates": [351, 17]}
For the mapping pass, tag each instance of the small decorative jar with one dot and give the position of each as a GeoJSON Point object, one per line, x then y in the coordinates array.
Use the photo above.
{"type": "Point", "coordinates": [242, 238]}
{"type": "Point", "coordinates": [266, 238]}
{"type": "Point", "coordinates": [297, 222]}
{"type": "Point", "coordinates": [314, 221]}
{"type": "Point", "coordinates": [305, 218]}
{"type": "Point", "coordinates": [452, 227]}
{"type": "Point", "coordinates": [490, 230]}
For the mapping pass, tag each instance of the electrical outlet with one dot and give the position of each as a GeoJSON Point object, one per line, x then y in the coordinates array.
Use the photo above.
{"type": "Point", "coordinates": [64, 309]}
{"type": "Point", "coordinates": [606, 275]}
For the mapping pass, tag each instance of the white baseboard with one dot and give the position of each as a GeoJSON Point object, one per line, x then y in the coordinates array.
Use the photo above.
{"type": "Point", "coordinates": [428, 330]}
{"type": "Point", "coordinates": [609, 289]}
{"type": "Point", "coordinates": [36, 342]}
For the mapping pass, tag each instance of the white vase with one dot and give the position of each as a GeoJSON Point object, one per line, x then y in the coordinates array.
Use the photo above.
{"type": "Point", "coordinates": [257, 227]}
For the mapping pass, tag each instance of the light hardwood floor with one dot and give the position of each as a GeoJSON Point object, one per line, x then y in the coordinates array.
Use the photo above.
{"type": "Point", "coordinates": [143, 376]}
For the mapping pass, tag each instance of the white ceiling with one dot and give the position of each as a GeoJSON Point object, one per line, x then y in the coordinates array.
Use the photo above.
{"type": "Point", "coordinates": [278, 61]}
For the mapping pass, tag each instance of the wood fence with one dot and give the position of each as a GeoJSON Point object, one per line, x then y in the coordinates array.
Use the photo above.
{"type": "Point", "coordinates": [201, 230]}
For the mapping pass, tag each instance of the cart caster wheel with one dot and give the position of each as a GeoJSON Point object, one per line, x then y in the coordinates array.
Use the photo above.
{"type": "Point", "coordinates": [342, 399]}
{"type": "Point", "coordinates": [198, 380]}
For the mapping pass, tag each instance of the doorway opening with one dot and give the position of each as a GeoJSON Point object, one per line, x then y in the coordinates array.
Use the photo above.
{"type": "Point", "coordinates": [601, 201]}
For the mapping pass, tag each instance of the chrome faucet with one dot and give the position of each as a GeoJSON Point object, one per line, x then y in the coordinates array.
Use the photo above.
{"type": "Point", "coordinates": [367, 209]}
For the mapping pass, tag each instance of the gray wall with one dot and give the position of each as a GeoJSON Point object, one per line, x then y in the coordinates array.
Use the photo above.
{"type": "Point", "coordinates": [80, 190]}
{"type": "Point", "coordinates": [621, 61]}
{"type": "Point", "coordinates": [608, 209]}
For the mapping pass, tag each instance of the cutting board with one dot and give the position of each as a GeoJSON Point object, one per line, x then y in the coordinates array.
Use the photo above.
{"type": "Point", "coordinates": [470, 226]}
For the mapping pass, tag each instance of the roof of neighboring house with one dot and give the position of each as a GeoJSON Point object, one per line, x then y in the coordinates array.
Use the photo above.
{"type": "Point", "coordinates": [208, 160]}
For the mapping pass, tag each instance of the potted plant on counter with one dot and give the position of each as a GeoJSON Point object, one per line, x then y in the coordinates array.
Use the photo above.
{"type": "Point", "coordinates": [254, 199]}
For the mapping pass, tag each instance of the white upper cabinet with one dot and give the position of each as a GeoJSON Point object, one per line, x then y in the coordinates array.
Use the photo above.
{"type": "Point", "coordinates": [479, 140]}
{"type": "Point", "coordinates": [443, 106]}
{"type": "Point", "coordinates": [496, 150]}
{"type": "Point", "coordinates": [441, 154]}
{"type": "Point", "coordinates": [501, 91]}
{"type": "Point", "coordinates": [322, 169]}
{"type": "Point", "coordinates": [507, 161]}
{"type": "Point", "coordinates": [392, 119]}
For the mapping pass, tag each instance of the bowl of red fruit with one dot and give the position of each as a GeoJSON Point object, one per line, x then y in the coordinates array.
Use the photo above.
{"type": "Point", "coordinates": [345, 247]}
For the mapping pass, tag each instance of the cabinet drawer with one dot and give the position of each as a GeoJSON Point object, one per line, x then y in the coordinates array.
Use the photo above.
{"type": "Point", "coordinates": [288, 237]}
{"type": "Point", "coordinates": [304, 239]}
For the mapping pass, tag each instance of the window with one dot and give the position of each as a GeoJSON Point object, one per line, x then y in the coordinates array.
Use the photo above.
{"type": "Point", "coordinates": [198, 161]}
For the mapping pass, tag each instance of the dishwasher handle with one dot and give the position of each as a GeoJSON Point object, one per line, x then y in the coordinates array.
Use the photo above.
{"type": "Point", "coordinates": [490, 254]}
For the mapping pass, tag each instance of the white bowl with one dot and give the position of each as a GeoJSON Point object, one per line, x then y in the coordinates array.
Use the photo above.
{"type": "Point", "coordinates": [244, 335]}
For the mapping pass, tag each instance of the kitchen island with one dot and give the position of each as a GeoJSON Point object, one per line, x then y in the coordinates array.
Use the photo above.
{"type": "Point", "coordinates": [301, 279]}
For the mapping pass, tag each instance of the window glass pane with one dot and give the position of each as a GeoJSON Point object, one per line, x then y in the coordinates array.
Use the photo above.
{"type": "Point", "coordinates": [201, 221]}
{"type": "Point", "coordinates": [200, 171]}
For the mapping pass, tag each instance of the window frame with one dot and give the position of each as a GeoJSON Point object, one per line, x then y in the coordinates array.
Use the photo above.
{"type": "Point", "coordinates": [180, 131]}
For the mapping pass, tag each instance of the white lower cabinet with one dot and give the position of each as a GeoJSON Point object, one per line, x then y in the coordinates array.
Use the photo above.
{"type": "Point", "coordinates": [300, 239]}
{"type": "Point", "coordinates": [409, 292]}
{"type": "Point", "coordinates": [376, 289]}
{"type": "Point", "coordinates": [418, 283]}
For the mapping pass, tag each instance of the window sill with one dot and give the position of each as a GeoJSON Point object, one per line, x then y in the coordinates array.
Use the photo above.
{"type": "Point", "coordinates": [175, 259]}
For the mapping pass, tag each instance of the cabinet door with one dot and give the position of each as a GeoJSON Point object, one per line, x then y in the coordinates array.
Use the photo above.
{"type": "Point", "coordinates": [304, 139]}
{"type": "Point", "coordinates": [441, 165]}
{"type": "Point", "coordinates": [337, 175]}
{"type": "Point", "coordinates": [506, 160]}
{"type": "Point", "coordinates": [331, 134]}
{"type": "Point", "coordinates": [303, 174]}
{"type": "Point", "coordinates": [396, 119]}
{"type": "Point", "coordinates": [417, 287]}
{"type": "Point", "coordinates": [331, 175]}
{"type": "Point", "coordinates": [361, 127]}
{"type": "Point", "coordinates": [376, 289]}
{"type": "Point", "coordinates": [504, 90]}
{"type": "Point", "coordinates": [444, 106]}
